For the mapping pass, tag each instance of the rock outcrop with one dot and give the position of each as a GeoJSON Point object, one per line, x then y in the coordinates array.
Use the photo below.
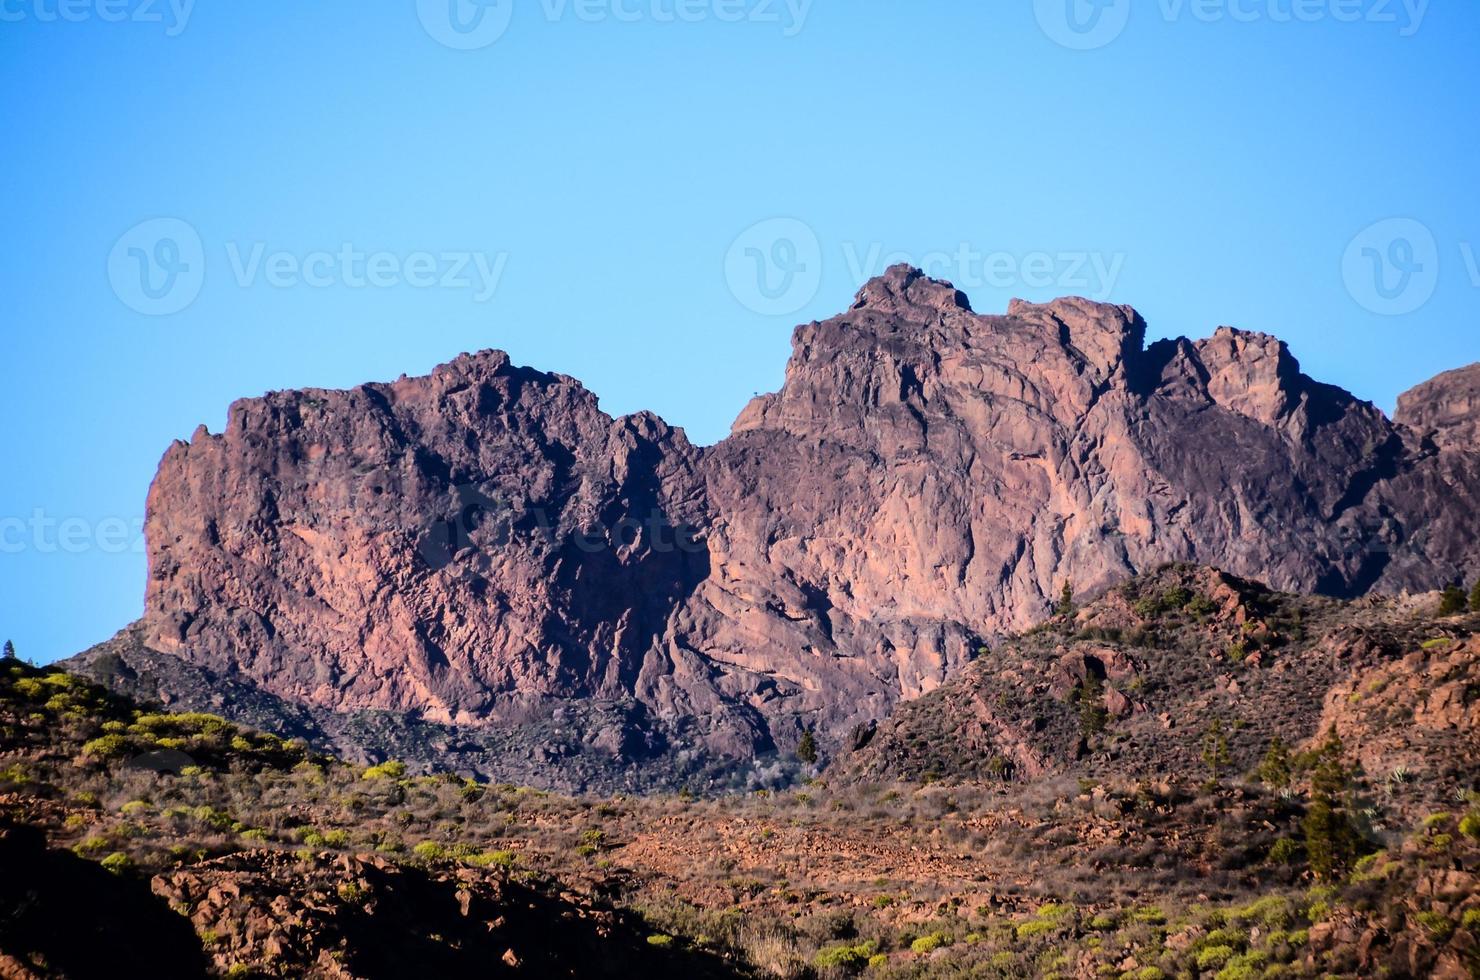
{"type": "Point", "coordinates": [484, 547]}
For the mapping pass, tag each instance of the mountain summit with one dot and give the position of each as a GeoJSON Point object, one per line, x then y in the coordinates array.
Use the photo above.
{"type": "Point", "coordinates": [483, 549]}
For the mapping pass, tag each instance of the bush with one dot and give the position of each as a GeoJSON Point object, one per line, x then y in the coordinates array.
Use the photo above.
{"type": "Point", "coordinates": [429, 850]}
{"type": "Point", "coordinates": [850, 958]}
{"type": "Point", "coordinates": [930, 943]}
{"type": "Point", "coordinates": [1452, 601]}
{"type": "Point", "coordinates": [1034, 927]}
{"type": "Point", "coordinates": [105, 747]}
{"type": "Point", "coordinates": [492, 859]}
{"type": "Point", "coordinates": [118, 862]}
{"type": "Point", "coordinates": [1436, 925]}
{"type": "Point", "coordinates": [1214, 957]}
{"type": "Point", "coordinates": [386, 770]}
{"type": "Point", "coordinates": [1469, 825]}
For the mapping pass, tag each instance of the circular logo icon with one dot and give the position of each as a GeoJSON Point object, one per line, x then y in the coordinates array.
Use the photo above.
{"type": "Point", "coordinates": [1391, 268]}
{"type": "Point", "coordinates": [774, 267]}
{"type": "Point", "coordinates": [157, 267]}
{"type": "Point", "coordinates": [1082, 25]}
{"type": "Point", "coordinates": [465, 25]}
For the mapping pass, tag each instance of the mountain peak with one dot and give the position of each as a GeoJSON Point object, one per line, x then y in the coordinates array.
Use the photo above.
{"type": "Point", "coordinates": [904, 288]}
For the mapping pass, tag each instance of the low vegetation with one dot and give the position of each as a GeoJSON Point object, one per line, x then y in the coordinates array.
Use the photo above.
{"type": "Point", "coordinates": [1260, 858]}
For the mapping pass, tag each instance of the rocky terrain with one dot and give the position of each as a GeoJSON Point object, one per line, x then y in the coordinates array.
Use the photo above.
{"type": "Point", "coordinates": [1188, 775]}
{"type": "Point", "coordinates": [483, 563]}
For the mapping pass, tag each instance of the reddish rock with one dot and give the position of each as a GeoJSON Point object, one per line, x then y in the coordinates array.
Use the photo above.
{"type": "Point", "coordinates": [481, 544]}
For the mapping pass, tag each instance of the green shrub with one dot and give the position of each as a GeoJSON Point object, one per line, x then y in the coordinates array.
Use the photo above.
{"type": "Point", "coordinates": [118, 862]}
{"type": "Point", "coordinates": [493, 859]}
{"type": "Point", "coordinates": [105, 747]}
{"type": "Point", "coordinates": [850, 958]}
{"type": "Point", "coordinates": [1214, 957]}
{"type": "Point", "coordinates": [1201, 606]}
{"type": "Point", "coordinates": [1272, 912]}
{"type": "Point", "coordinates": [660, 940]}
{"type": "Point", "coordinates": [386, 770]}
{"type": "Point", "coordinates": [930, 943]}
{"type": "Point", "coordinates": [1034, 927]}
{"type": "Point", "coordinates": [429, 850]}
{"type": "Point", "coordinates": [1285, 851]}
{"type": "Point", "coordinates": [1452, 601]}
{"type": "Point", "coordinates": [1436, 925]}
{"type": "Point", "coordinates": [1469, 825]}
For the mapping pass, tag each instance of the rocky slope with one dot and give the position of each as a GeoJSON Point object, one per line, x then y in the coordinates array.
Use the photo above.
{"type": "Point", "coordinates": [136, 842]}
{"type": "Point", "coordinates": [1139, 680]}
{"type": "Point", "coordinates": [484, 549]}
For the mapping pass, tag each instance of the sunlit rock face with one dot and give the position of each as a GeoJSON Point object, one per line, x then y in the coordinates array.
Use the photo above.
{"type": "Point", "coordinates": [483, 543]}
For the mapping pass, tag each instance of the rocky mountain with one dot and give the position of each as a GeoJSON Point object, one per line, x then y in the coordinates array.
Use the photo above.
{"type": "Point", "coordinates": [482, 555]}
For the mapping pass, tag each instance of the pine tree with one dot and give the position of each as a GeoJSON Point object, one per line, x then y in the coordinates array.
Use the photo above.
{"type": "Point", "coordinates": [1215, 753]}
{"type": "Point", "coordinates": [9, 651]}
{"type": "Point", "coordinates": [1330, 839]}
{"type": "Point", "coordinates": [1452, 601]}
{"type": "Point", "coordinates": [1066, 600]}
{"type": "Point", "coordinates": [1274, 770]}
{"type": "Point", "coordinates": [1092, 714]}
{"type": "Point", "coordinates": [807, 748]}
{"type": "Point", "coordinates": [1475, 597]}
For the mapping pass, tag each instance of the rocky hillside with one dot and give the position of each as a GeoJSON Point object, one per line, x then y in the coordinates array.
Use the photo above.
{"type": "Point", "coordinates": [484, 550]}
{"type": "Point", "coordinates": [1190, 671]}
{"type": "Point", "coordinates": [141, 842]}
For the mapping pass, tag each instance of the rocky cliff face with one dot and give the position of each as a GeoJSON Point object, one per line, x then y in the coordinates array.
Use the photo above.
{"type": "Point", "coordinates": [484, 546]}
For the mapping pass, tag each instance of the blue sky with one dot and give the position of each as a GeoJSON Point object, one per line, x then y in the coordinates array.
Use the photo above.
{"type": "Point", "coordinates": [649, 194]}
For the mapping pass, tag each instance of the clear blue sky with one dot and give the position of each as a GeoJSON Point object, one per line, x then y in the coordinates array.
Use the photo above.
{"type": "Point", "coordinates": [607, 162]}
